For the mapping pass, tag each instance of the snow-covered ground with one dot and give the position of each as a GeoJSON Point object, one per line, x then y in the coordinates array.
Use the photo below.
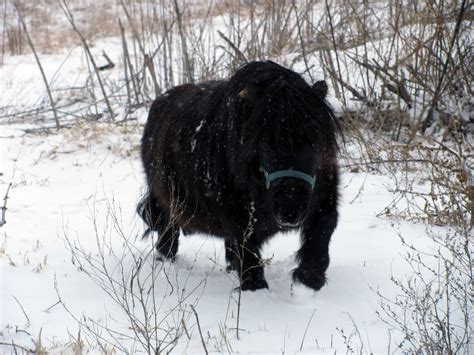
{"type": "Point", "coordinates": [65, 185]}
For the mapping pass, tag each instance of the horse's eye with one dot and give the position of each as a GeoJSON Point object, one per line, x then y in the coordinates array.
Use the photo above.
{"type": "Point", "coordinates": [258, 177]}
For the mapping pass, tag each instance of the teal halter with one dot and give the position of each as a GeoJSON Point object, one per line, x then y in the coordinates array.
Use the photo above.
{"type": "Point", "coordinates": [287, 173]}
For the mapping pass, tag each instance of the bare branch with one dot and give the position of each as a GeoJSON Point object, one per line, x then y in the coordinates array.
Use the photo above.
{"type": "Point", "coordinates": [45, 80]}
{"type": "Point", "coordinates": [3, 221]}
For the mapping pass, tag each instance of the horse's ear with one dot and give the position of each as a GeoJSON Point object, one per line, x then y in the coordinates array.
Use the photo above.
{"type": "Point", "coordinates": [320, 88]}
{"type": "Point", "coordinates": [250, 94]}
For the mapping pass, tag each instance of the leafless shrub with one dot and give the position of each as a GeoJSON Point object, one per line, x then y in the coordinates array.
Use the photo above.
{"type": "Point", "coordinates": [432, 183]}
{"type": "Point", "coordinates": [432, 180]}
{"type": "Point", "coordinates": [137, 286]}
{"type": "Point", "coordinates": [432, 312]}
{"type": "Point", "coordinates": [390, 62]}
{"type": "Point", "coordinates": [441, 191]}
{"type": "Point", "coordinates": [433, 309]}
{"type": "Point", "coordinates": [399, 57]}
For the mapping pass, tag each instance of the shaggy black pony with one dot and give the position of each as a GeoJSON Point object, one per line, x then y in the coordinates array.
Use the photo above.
{"type": "Point", "coordinates": [244, 158]}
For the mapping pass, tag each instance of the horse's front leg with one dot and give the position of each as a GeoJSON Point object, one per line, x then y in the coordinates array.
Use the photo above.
{"type": "Point", "coordinates": [313, 256]}
{"type": "Point", "coordinates": [243, 256]}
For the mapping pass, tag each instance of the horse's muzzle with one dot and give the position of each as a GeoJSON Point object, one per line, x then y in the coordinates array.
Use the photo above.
{"type": "Point", "coordinates": [290, 201]}
{"type": "Point", "coordinates": [290, 210]}
{"type": "Point", "coordinates": [283, 223]}
{"type": "Point", "coordinates": [289, 219]}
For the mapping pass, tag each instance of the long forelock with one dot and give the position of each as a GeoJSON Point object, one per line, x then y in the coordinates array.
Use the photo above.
{"type": "Point", "coordinates": [291, 115]}
{"type": "Point", "coordinates": [286, 107]}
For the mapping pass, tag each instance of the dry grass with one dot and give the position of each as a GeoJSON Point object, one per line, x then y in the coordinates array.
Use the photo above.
{"type": "Point", "coordinates": [95, 19]}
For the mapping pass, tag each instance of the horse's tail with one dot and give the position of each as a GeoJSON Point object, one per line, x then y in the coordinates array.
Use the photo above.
{"type": "Point", "coordinates": [150, 212]}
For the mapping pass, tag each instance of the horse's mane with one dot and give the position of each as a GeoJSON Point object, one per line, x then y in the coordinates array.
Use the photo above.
{"type": "Point", "coordinates": [284, 109]}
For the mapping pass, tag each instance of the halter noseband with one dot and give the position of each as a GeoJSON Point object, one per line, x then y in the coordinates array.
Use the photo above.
{"type": "Point", "coordinates": [287, 173]}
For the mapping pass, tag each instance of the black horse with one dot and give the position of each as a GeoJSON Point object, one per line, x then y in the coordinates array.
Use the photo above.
{"type": "Point", "coordinates": [244, 158]}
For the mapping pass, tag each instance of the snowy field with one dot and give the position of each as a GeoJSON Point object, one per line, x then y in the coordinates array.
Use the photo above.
{"type": "Point", "coordinates": [64, 186]}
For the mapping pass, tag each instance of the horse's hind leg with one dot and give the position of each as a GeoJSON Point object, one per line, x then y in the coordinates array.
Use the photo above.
{"type": "Point", "coordinates": [231, 256]}
{"type": "Point", "coordinates": [168, 241]}
{"type": "Point", "coordinates": [158, 221]}
{"type": "Point", "coordinates": [150, 212]}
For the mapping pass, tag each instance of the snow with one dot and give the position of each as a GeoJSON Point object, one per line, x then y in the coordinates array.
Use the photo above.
{"type": "Point", "coordinates": [198, 128]}
{"type": "Point", "coordinates": [63, 183]}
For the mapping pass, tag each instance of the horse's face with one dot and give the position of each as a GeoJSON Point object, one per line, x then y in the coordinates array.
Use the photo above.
{"type": "Point", "coordinates": [286, 159]}
{"type": "Point", "coordinates": [288, 176]}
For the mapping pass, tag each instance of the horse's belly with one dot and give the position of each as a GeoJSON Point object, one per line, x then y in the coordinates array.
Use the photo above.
{"type": "Point", "coordinates": [203, 219]}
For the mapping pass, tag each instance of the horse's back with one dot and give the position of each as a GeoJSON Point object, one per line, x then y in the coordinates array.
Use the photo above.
{"type": "Point", "coordinates": [182, 106]}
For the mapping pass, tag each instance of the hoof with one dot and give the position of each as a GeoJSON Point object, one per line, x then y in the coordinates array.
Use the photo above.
{"type": "Point", "coordinates": [230, 268]}
{"type": "Point", "coordinates": [167, 251]}
{"type": "Point", "coordinates": [253, 284]}
{"type": "Point", "coordinates": [309, 278]}
{"type": "Point", "coordinates": [162, 257]}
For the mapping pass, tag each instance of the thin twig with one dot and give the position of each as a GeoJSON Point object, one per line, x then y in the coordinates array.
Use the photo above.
{"type": "Point", "coordinates": [28, 350]}
{"type": "Point", "coordinates": [24, 312]}
{"type": "Point", "coordinates": [4, 207]}
{"type": "Point", "coordinates": [301, 40]}
{"type": "Point", "coordinates": [109, 64]}
{"type": "Point", "coordinates": [429, 117]}
{"type": "Point", "coordinates": [333, 41]}
{"type": "Point", "coordinates": [51, 307]}
{"type": "Point", "coordinates": [233, 46]}
{"type": "Point", "coordinates": [199, 328]}
{"type": "Point", "coordinates": [65, 8]}
{"type": "Point", "coordinates": [186, 60]}
{"type": "Point", "coordinates": [45, 80]}
{"type": "Point", "coordinates": [183, 323]}
{"type": "Point", "coordinates": [4, 31]}
{"type": "Point", "coordinates": [306, 330]}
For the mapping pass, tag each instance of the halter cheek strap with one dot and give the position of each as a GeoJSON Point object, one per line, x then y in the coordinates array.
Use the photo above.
{"type": "Point", "coordinates": [269, 178]}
